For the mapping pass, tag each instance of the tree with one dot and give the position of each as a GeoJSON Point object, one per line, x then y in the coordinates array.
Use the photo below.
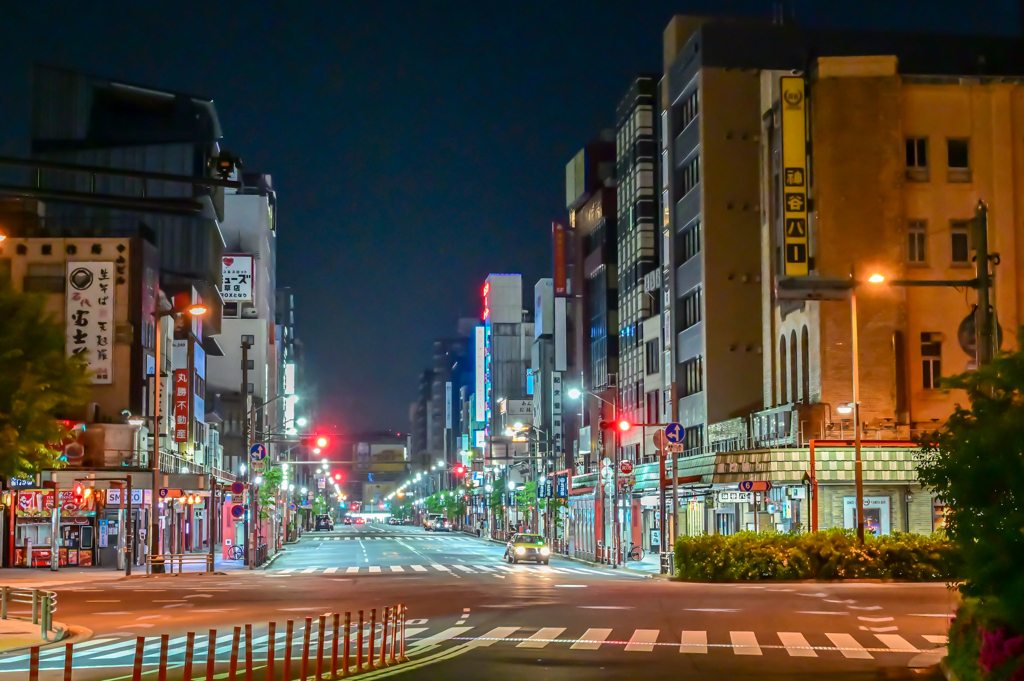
{"type": "Point", "coordinates": [269, 488]}
{"type": "Point", "coordinates": [39, 384]}
{"type": "Point", "coordinates": [976, 465]}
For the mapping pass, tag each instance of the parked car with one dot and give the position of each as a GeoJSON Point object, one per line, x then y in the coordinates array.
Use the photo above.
{"type": "Point", "coordinates": [394, 521]}
{"type": "Point", "coordinates": [527, 547]}
{"type": "Point", "coordinates": [323, 522]}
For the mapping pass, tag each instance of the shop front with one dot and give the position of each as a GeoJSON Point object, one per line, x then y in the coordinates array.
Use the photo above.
{"type": "Point", "coordinates": [33, 528]}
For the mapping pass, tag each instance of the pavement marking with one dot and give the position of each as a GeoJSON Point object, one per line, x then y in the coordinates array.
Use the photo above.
{"type": "Point", "coordinates": [713, 609]}
{"type": "Point", "coordinates": [412, 631]}
{"type": "Point", "coordinates": [418, 568]}
{"type": "Point", "coordinates": [374, 568]}
{"type": "Point", "coordinates": [117, 612]}
{"type": "Point", "coordinates": [896, 642]}
{"type": "Point", "coordinates": [591, 639]}
{"type": "Point", "coordinates": [849, 647]}
{"type": "Point", "coordinates": [397, 568]}
{"type": "Point", "coordinates": [445, 635]}
{"type": "Point", "coordinates": [606, 607]}
{"type": "Point", "coordinates": [938, 639]}
{"type": "Point", "coordinates": [309, 571]}
{"type": "Point", "coordinates": [330, 570]}
{"type": "Point", "coordinates": [440, 568]}
{"type": "Point", "coordinates": [643, 641]}
{"type": "Point", "coordinates": [542, 638]}
{"type": "Point", "coordinates": [821, 612]}
{"type": "Point", "coordinates": [879, 629]}
{"type": "Point", "coordinates": [744, 643]}
{"type": "Point", "coordinates": [484, 568]}
{"type": "Point", "coordinates": [571, 586]}
{"type": "Point", "coordinates": [199, 596]}
{"type": "Point", "coordinates": [876, 619]}
{"type": "Point", "coordinates": [918, 614]}
{"type": "Point", "coordinates": [862, 607]}
{"type": "Point", "coordinates": [796, 644]}
{"type": "Point", "coordinates": [286, 571]}
{"type": "Point", "coordinates": [465, 569]}
{"type": "Point", "coordinates": [492, 637]}
{"type": "Point", "coordinates": [114, 601]}
{"type": "Point", "coordinates": [694, 642]}
{"type": "Point", "coordinates": [351, 570]}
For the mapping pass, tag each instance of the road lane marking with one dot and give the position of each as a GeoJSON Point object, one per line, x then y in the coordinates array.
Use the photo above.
{"type": "Point", "coordinates": [938, 639]}
{"type": "Point", "coordinates": [374, 568]}
{"type": "Point", "coordinates": [642, 641]}
{"type": "Point", "coordinates": [896, 642]}
{"type": "Point", "coordinates": [492, 637]}
{"type": "Point", "coordinates": [876, 619]}
{"type": "Point", "coordinates": [309, 571]}
{"type": "Point", "coordinates": [821, 612]}
{"type": "Point", "coordinates": [440, 568]}
{"type": "Point", "coordinates": [542, 638]}
{"type": "Point", "coordinates": [796, 644]}
{"type": "Point", "coordinates": [465, 569]}
{"type": "Point", "coordinates": [330, 570]}
{"type": "Point", "coordinates": [606, 607]}
{"type": "Point", "coordinates": [694, 642]}
{"type": "Point", "coordinates": [286, 571]}
{"type": "Point", "coordinates": [879, 629]}
{"type": "Point", "coordinates": [863, 607]}
{"type": "Point", "coordinates": [848, 646]}
{"type": "Point", "coordinates": [744, 643]}
{"type": "Point", "coordinates": [412, 631]}
{"type": "Point", "coordinates": [484, 568]}
{"type": "Point", "coordinates": [397, 568]}
{"type": "Point", "coordinates": [418, 568]}
{"type": "Point", "coordinates": [445, 635]}
{"type": "Point", "coordinates": [591, 640]}
{"type": "Point", "coordinates": [713, 609]}
{"type": "Point", "coordinates": [352, 570]}
{"type": "Point", "coordinates": [944, 614]}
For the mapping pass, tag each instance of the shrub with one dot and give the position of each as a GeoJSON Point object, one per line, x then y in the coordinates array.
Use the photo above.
{"type": "Point", "coordinates": [832, 554]}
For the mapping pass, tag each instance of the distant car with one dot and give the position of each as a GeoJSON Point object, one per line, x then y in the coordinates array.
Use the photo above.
{"type": "Point", "coordinates": [394, 521]}
{"type": "Point", "coordinates": [347, 521]}
{"type": "Point", "coordinates": [323, 522]}
{"type": "Point", "coordinates": [360, 521]}
{"type": "Point", "coordinates": [407, 521]}
{"type": "Point", "coordinates": [429, 520]}
{"type": "Point", "coordinates": [527, 547]}
{"type": "Point", "coordinates": [441, 525]}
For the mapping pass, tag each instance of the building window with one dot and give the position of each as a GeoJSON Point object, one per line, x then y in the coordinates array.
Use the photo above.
{"type": "Point", "coordinates": [960, 242]}
{"type": "Point", "coordinates": [782, 371]}
{"type": "Point", "coordinates": [230, 310]}
{"type": "Point", "coordinates": [805, 364]}
{"type": "Point", "coordinates": [653, 412]}
{"type": "Point", "coordinates": [5, 270]}
{"type": "Point", "coordinates": [917, 159]}
{"type": "Point", "coordinates": [690, 109]}
{"type": "Point", "coordinates": [44, 278]}
{"type": "Point", "coordinates": [931, 360]}
{"type": "Point", "coordinates": [653, 355]}
{"type": "Point", "coordinates": [917, 242]}
{"type": "Point", "coordinates": [793, 368]}
{"type": "Point", "coordinates": [691, 175]}
{"type": "Point", "coordinates": [693, 438]}
{"type": "Point", "coordinates": [690, 309]}
{"type": "Point", "coordinates": [958, 157]}
{"type": "Point", "coordinates": [693, 376]}
{"type": "Point", "coordinates": [690, 241]}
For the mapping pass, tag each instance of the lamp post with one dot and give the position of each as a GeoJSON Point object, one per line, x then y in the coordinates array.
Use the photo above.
{"type": "Point", "coordinates": [182, 305]}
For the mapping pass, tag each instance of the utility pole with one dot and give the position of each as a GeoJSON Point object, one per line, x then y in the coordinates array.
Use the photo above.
{"type": "Point", "coordinates": [857, 467]}
{"type": "Point", "coordinates": [985, 329]}
{"type": "Point", "coordinates": [245, 455]}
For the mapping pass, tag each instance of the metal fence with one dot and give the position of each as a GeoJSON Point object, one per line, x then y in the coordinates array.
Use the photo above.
{"type": "Point", "coordinates": [42, 604]}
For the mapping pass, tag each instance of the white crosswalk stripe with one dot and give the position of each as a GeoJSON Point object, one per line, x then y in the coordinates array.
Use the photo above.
{"type": "Point", "coordinates": [849, 647]}
{"type": "Point", "coordinates": [542, 638]}
{"type": "Point", "coordinates": [351, 570]}
{"type": "Point", "coordinates": [330, 570]}
{"type": "Point", "coordinates": [796, 644]}
{"type": "Point", "coordinates": [418, 568]}
{"type": "Point", "coordinates": [591, 639]}
{"type": "Point", "coordinates": [896, 642]}
{"type": "Point", "coordinates": [397, 568]}
{"type": "Point", "coordinates": [492, 637]}
{"type": "Point", "coordinates": [374, 568]}
{"type": "Point", "coordinates": [744, 643]}
{"type": "Point", "coordinates": [643, 640]}
{"type": "Point", "coordinates": [694, 642]}
{"type": "Point", "coordinates": [465, 568]}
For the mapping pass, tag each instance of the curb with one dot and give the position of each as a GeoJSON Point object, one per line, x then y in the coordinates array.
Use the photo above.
{"type": "Point", "coordinates": [272, 559]}
{"type": "Point", "coordinates": [67, 634]}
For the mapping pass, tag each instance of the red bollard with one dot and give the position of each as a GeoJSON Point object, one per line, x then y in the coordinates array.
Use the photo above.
{"type": "Point", "coordinates": [334, 648]}
{"type": "Point", "coordinates": [68, 654]}
{"type": "Point", "coordinates": [394, 635]}
{"type": "Point", "coordinates": [401, 649]}
{"type": "Point", "coordinates": [382, 662]}
{"type": "Point", "coordinates": [33, 665]}
{"type": "Point", "coordinates": [211, 654]}
{"type": "Point", "coordinates": [248, 652]}
{"type": "Point", "coordinates": [320, 647]}
{"type": "Point", "coordinates": [140, 644]}
{"type": "Point", "coordinates": [288, 650]}
{"type": "Point", "coordinates": [304, 665]}
{"type": "Point", "coordinates": [373, 636]}
{"type": "Point", "coordinates": [271, 644]}
{"type": "Point", "coordinates": [345, 670]}
{"type": "Point", "coordinates": [190, 642]}
{"type": "Point", "coordinates": [359, 644]}
{"type": "Point", "coordinates": [233, 663]}
{"type": "Point", "coordinates": [161, 674]}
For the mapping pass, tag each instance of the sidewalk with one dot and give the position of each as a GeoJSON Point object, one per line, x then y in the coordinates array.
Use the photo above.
{"type": "Point", "coordinates": [19, 634]}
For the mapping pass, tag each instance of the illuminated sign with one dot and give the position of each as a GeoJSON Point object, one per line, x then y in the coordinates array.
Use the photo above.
{"type": "Point", "coordinates": [480, 388]}
{"type": "Point", "coordinates": [558, 239]}
{"type": "Point", "coordinates": [236, 276]}
{"type": "Point", "coordinates": [289, 378]}
{"type": "Point", "coordinates": [181, 405]}
{"type": "Point", "coordinates": [794, 190]}
{"type": "Point", "coordinates": [89, 315]}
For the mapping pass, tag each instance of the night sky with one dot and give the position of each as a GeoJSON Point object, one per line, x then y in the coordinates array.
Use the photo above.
{"type": "Point", "coordinates": [415, 146]}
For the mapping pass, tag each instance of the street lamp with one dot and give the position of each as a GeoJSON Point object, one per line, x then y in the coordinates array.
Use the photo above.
{"type": "Point", "coordinates": [182, 304]}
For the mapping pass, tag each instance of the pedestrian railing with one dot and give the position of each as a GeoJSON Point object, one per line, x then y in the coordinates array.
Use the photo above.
{"type": "Point", "coordinates": [42, 604]}
{"type": "Point", "coordinates": [332, 648]}
{"type": "Point", "coordinates": [165, 562]}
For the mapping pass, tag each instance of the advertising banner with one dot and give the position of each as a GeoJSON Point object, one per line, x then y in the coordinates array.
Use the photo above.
{"type": "Point", "coordinates": [139, 496]}
{"type": "Point", "coordinates": [794, 161]}
{"type": "Point", "coordinates": [236, 278]}
{"type": "Point", "coordinates": [558, 243]}
{"type": "Point", "coordinates": [38, 503]}
{"type": "Point", "coordinates": [89, 317]}
{"type": "Point", "coordinates": [181, 405]}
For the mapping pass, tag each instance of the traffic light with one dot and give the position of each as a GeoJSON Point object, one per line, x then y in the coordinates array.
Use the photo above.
{"type": "Point", "coordinates": [79, 492]}
{"type": "Point", "coordinates": [315, 441]}
{"type": "Point", "coordinates": [337, 476]}
{"type": "Point", "coordinates": [621, 424]}
{"type": "Point", "coordinates": [460, 470]}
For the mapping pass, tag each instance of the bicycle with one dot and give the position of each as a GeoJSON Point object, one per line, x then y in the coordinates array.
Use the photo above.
{"type": "Point", "coordinates": [236, 552]}
{"type": "Point", "coordinates": [635, 552]}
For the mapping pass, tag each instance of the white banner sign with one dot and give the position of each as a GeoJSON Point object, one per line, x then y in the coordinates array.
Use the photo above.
{"type": "Point", "coordinates": [89, 317]}
{"type": "Point", "coordinates": [727, 497]}
{"type": "Point", "coordinates": [114, 496]}
{"type": "Point", "coordinates": [236, 278]}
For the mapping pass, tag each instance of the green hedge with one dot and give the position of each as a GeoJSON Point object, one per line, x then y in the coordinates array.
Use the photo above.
{"type": "Point", "coordinates": [831, 554]}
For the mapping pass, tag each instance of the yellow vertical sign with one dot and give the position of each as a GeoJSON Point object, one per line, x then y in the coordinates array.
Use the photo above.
{"type": "Point", "coordinates": [794, 182]}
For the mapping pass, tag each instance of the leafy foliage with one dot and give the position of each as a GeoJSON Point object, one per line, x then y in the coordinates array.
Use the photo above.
{"type": "Point", "coordinates": [976, 464]}
{"type": "Point", "coordinates": [831, 554]}
{"type": "Point", "coordinates": [38, 384]}
{"type": "Point", "coordinates": [269, 489]}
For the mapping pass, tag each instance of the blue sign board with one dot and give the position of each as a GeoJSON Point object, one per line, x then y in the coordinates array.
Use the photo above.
{"type": "Point", "coordinates": [258, 452]}
{"type": "Point", "coordinates": [674, 433]}
{"type": "Point", "coordinates": [562, 486]}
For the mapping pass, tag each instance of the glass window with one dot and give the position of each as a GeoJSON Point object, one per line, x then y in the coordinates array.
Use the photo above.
{"type": "Point", "coordinates": [653, 355]}
{"type": "Point", "coordinates": [690, 237]}
{"type": "Point", "coordinates": [957, 152]}
{"type": "Point", "coordinates": [917, 242]}
{"type": "Point", "coordinates": [931, 360]}
{"type": "Point", "coordinates": [917, 152]}
{"type": "Point", "coordinates": [693, 376]}
{"type": "Point", "coordinates": [690, 309]}
{"type": "Point", "coordinates": [960, 241]}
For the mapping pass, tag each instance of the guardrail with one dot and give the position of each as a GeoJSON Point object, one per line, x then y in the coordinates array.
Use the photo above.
{"type": "Point", "coordinates": [160, 562]}
{"type": "Point", "coordinates": [43, 603]}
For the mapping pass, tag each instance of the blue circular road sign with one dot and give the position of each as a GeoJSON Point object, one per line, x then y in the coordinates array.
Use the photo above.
{"type": "Point", "coordinates": [674, 433]}
{"type": "Point", "coordinates": [258, 452]}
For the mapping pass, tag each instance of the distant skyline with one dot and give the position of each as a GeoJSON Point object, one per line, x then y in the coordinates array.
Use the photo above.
{"type": "Point", "coordinates": [415, 147]}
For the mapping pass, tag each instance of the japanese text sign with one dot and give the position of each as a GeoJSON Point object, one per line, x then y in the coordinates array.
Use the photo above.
{"type": "Point", "coordinates": [89, 317]}
{"type": "Point", "coordinates": [180, 398]}
{"type": "Point", "coordinates": [236, 278]}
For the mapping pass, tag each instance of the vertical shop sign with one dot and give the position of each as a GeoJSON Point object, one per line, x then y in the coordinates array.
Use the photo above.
{"type": "Point", "coordinates": [181, 405]}
{"type": "Point", "coordinates": [89, 317]}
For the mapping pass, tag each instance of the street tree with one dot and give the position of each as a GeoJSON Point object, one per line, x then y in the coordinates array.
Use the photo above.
{"type": "Point", "coordinates": [39, 384]}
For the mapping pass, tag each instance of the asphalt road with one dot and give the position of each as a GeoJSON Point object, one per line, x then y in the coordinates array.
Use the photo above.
{"type": "Point", "coordinates": [471, 615]}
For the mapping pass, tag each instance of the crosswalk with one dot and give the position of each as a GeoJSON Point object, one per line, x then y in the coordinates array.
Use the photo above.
{"type": "Point", "coordinates": [411, 537]}
{"type": "Point", "coordinates": [111, 651]}
{"type": "Point", "coordinates": [456, 568]}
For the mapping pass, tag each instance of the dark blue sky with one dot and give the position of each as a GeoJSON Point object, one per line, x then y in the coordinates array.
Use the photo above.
{"type": "Point", "coordinates": [415, 146]}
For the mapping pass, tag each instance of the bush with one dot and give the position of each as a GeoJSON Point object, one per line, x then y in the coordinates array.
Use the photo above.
{"type": "Point", "coordinates": [982, 647]}
{"type": "Point", "coordinates": [832, 554]}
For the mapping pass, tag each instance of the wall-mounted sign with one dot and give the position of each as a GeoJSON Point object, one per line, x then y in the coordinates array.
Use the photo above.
{"type": "Point", "coordinates": [89, 317]}
{"type": "Point", "coordinates": [730, 497]}
{"type": "Point", "coordinates": [139, 496]}
{"type": "Point", "coordinates": [794, 183]}
{"type": "Point", "coordinates": [181, 405]}
{"type": "Point", "coordinates": [236, 278]}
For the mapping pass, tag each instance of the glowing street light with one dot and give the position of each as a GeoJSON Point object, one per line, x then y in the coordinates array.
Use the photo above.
{"type": "Point", "coordinates": [876, 278]}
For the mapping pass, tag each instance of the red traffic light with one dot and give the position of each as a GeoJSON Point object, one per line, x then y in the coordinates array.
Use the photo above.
{"type": "Point", "coordinates": [321, 441]}
{"type": "Point", "coordinates": [337, 476]}
{"type": "Point", "coordinates": [621, 424]}
{"type": "Point", "coordinates": [624, 425]}
{"type": "Point", "coordinates": [79, 489]}
{"type": "Point", "coordinates": [460, 470]}
{"type": "Point", "coordinates": [315, 441]}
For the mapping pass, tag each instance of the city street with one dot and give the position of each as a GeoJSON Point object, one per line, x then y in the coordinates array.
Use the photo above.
{"type": "Point", "coordinates": [470, 613]}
